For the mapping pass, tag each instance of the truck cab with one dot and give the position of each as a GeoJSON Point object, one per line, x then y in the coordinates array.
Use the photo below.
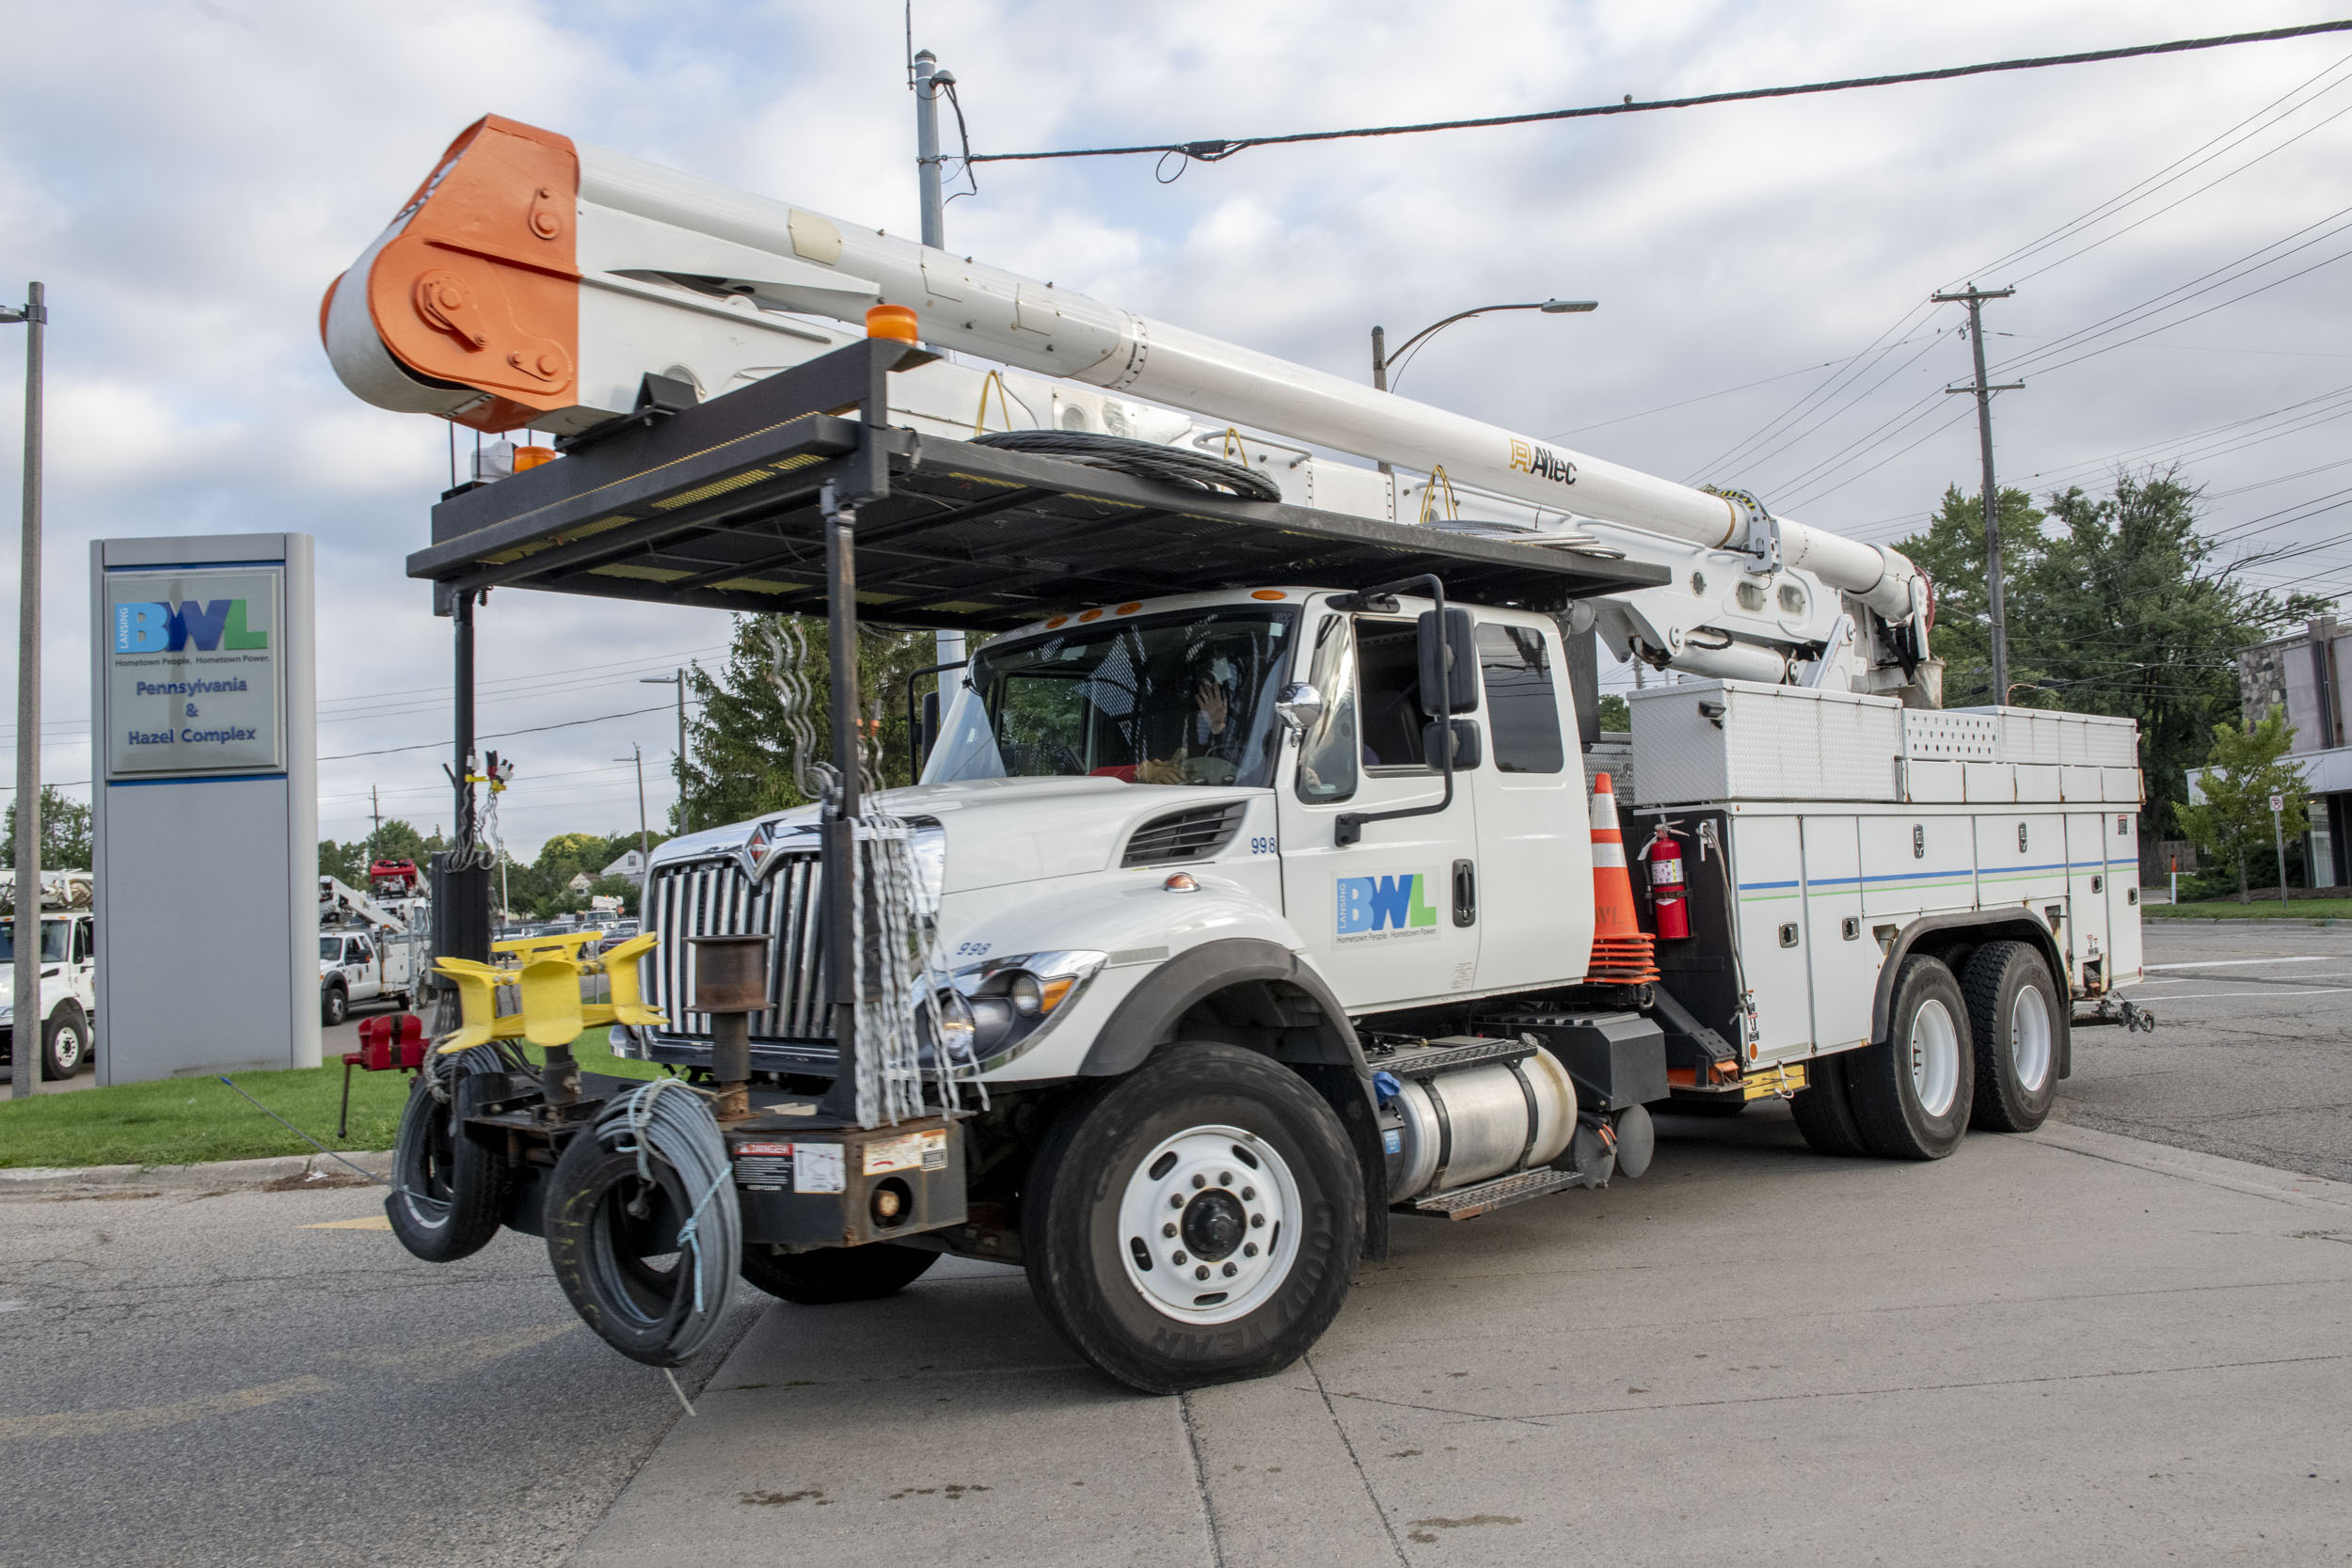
{"type": "Point", "coordinates": [68, 990]}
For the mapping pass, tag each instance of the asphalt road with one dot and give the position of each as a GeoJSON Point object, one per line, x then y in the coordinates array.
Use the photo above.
{"type": "Point", "coordinates": [2070, 1347]}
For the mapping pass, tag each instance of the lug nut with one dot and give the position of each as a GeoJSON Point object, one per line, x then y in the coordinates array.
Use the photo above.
{"type": "Point", "coordinates": [1248, 1194]}
{"type": "Point", "coordinates": [1257, 1222]}
{"type": "Point", "coordinates": [1230, 1270]}
{"type": "Point", "coordinates": [1169, 1230]}
{"type": "Point", "coordinates": [1200, 1273]}
{"type": "Point", "coordinates": [1199, 1180]}
{"type": "Point", "coordinates": [1225, 1179]}
{"type": "Point", "coordinates": [1175, 1200]}
{"type": "Point", "coordinates": [1178, 1259]}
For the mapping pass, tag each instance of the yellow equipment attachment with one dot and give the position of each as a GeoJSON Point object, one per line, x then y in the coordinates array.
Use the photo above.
{"type": "Point", "coordinates": [547, 975]}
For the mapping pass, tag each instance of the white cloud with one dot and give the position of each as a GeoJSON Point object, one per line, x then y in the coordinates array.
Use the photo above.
{"type": "Point", "coordinates": [187, 178]}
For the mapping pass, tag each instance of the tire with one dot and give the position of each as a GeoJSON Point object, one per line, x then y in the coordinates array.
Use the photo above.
{"type": "Point", "coordinates": [832, 1275]}
{"type": "Point", "coordinates": [448, 1191]}
{"type": "Point", "coordinates": [65, 1042]}
{"type": "Point", "coordinates": [621, 1271]}
{"type": "Point", "coordinates": [2014, 1012]}
{"type": "Point", "coordinates": [334, 1005]}
{"type": "Point", "coordinates": [1824, 1109]}
{"type": "Point", "coordinates": [1913, 1091]}
{"type": "Point", "coordinates": [1252, 1169]}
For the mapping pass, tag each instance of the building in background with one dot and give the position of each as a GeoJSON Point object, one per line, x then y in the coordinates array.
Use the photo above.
{"type": "Point", "coordinates": [2302, 672]}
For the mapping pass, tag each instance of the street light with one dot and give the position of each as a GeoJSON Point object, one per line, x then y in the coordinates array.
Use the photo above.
{"type": "Point", "coordinates": [679, 681]}
{"type": "Point", "coordinates": [35, 315]}
{"type": "Point", "coordinates": [1381, 360]}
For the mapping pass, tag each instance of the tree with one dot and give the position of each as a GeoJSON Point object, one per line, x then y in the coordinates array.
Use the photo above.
{"type": "Point", "coordinates": [1616, 714]}
{"type": "Point", "coordinates": [65, 833]}
{"type": "Point", "coordinates": [346, 863]}
{"type": "Point", "coordinates": [2245, 770]}
{"type": "Point", "coordinates": [742, 751]}
{"type": "Point", "coordinates": [623, 888]}
{"type": "Point", "coordinates": [2115, 604]}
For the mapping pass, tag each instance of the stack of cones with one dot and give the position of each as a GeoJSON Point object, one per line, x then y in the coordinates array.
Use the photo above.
{"type": "Point", "coordinates": [1623, 953]}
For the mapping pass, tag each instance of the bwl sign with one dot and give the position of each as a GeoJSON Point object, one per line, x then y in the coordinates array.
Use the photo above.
{"type": "Point", "coordinates": [194, 672]}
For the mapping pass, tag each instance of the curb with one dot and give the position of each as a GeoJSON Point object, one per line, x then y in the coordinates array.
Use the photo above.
{"type": "Point", "coordinates": [2244, 919]}
{"type": "Point", "coordinates": [283, 1172]}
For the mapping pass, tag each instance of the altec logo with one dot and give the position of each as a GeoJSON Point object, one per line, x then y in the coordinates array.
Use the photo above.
{"type": "Point", "coordinates": [1386, 905]}
{"type": "Point", "coordinates": [1544, 463]}
{"type": "Point", "coordinates": [152, 628]}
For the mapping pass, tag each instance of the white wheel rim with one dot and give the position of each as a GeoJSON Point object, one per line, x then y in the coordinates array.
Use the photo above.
{"type": "Point", "coordinates": [2030, 1037]}
{"type": "Point", "coordinates": [1934, 1057]}
{"type": "Point", "coordinates": [1232, 1206]}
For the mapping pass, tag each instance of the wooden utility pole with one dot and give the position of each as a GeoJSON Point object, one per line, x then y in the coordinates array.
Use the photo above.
{"type": "Point", "coordinates": [1974, 298]}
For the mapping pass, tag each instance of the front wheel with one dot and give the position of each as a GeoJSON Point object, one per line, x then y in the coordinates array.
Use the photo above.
{"type": "Point", "coordinates": [64, 1043]}
{"type": "Point", "coordinates": [334, 1005]}
{"type": "Point", "coordinates": [1195, 1222]}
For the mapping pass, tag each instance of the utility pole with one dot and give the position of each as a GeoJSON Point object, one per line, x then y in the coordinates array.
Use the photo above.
{"type": "Point", "coordinates": [375, 810]}
{"type": "Point", "coordinates": [637, 754]}
{"type": "Point", "coordinates": [30, 1024]}
{"type": "Point", "coordinates": [684, 824]}
{"type": "Point", "coordinates": [1975, 299]}
{"type": "Point", "coordinates": [947, 646]}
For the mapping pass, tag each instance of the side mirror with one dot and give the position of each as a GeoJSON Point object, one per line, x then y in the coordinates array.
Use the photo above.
{"type": "Point", "coordinates": [1300, 707]}
{"type": "Point", "coordinates": [1449, 669]}
{"type": "Point", "coordinates": [1469, 749]}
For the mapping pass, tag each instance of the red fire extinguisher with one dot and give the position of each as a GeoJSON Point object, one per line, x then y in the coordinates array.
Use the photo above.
{"type": "Point", "coordinates": [1669, 893]}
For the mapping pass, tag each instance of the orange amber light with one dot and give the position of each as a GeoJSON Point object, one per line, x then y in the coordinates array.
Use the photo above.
{"type": "Point", "coordinates": [890, 320]}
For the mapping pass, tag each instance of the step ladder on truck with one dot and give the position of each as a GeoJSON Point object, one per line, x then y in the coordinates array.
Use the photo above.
{"type": "Point", "coordinates": [1254, 895]}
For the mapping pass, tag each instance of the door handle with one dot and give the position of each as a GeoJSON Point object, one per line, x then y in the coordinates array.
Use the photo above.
{"type": "Point", "coordinates": [1465, 893]}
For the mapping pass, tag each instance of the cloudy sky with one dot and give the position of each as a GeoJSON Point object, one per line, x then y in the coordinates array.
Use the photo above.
{"type": "Point", "coordinates": [188, 175]}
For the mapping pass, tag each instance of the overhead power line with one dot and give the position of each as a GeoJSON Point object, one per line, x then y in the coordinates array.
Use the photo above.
{"type": "Point", "coordinates": [1217, 149]}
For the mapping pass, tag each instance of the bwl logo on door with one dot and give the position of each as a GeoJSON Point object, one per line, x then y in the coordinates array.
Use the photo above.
{"type": "Point", "coordinates": [1374, 909]}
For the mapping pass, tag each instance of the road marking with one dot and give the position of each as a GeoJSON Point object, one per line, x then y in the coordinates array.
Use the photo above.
{"type": "Point", "coordinates": [108, 1423]}
{"type": "Point", "coordinates": [2171, 997]}
{"type": "Point", "coordinates": [365, 1222]}
{"type": "Point", "coordinates": [435, 1359]}
{"type": "Point", "coordinates": [2239, 963]}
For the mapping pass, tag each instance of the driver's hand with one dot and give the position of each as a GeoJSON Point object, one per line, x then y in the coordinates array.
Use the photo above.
{"type": "Point", "coordinates": [1169, 770]}
{"type": "Point", "coordinates": [1213, 705]}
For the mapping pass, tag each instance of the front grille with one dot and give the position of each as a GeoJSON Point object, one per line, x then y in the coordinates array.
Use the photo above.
{"type": "Point", "coordinates": [1184, 835]}
{"type": "Point", "coordinates": [702, 898]}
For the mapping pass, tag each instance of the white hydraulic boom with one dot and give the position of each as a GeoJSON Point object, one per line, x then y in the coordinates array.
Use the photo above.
{"type": "Point", "coordinates": [534, 283]}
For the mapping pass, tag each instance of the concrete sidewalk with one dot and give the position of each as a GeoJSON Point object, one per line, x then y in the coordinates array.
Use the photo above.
{"type": "Point", "coordinates": [2066, 1348]}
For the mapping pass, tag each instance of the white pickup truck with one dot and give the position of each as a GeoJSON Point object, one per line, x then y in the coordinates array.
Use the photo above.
{"type": "Point", "coordinates": [362, 966]}
{"type": "Point", "coordinates": [68, 990]}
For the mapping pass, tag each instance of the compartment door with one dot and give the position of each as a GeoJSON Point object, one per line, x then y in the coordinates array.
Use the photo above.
{"type": "Point", "coordinates": [1843, 960]}
{"type": "Point", "coordinates": [1768, 865]}
{"type": "Point", "coordinates": [2121, 832]}
{"type": "Point", "coordinates": [2087, 881]}
{"type": "Point", "coordinates": [1914, 865]}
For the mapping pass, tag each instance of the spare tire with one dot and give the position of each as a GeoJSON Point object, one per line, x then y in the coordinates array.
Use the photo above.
{"type": "Point", "coordinates": [448, 1191]}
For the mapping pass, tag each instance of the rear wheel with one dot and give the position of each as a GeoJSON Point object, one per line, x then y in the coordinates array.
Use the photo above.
{"type": "Point", "coordinates": [831, 1275]}
{"type": "Point", "coordinates": [1824, 1109]}
{"type": "Point", "coordinates": [1195, 1222]}
{"type": "Point", "coordinates": [1913, 1091]}
{"type": "Point", "coordinates": [65, 1042]}
{"type": "Point", "coordinates": [2012, 1013]}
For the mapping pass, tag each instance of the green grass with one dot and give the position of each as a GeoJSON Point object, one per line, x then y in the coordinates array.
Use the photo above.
{"type": "Point", "coordinates": [180, 1122]}
{"type": "Point", "coordinates": [2260, 908]}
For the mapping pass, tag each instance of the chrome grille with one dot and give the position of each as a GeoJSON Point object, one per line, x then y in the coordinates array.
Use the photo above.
{"type": "Point", "coordinates": [714, 897]}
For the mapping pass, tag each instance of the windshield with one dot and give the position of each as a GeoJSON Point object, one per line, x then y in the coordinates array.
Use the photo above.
{"type": "Point", "coordinates": [330, 947]}
{"type": "Point", "coordinates": [56, 936]}
{"type": "Point", "coordinates": [1179, 699]}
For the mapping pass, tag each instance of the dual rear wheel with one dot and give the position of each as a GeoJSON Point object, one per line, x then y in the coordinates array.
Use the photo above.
{"type": "Point", "coordinates": [1978, 1048]}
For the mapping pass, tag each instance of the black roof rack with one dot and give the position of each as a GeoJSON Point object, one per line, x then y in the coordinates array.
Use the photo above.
{"type": "Point", "coordinates": [717, 505]}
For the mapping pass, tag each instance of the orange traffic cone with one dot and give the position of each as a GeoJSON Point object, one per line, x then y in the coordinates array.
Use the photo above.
{"type": "Point", "coordinates": [1623, 953]}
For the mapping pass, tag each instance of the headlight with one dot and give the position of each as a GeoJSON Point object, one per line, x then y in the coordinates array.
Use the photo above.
{"type": "Point", "coordinates": [994, 1011]}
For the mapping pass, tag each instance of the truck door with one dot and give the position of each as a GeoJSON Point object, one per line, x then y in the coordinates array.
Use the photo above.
{"type": "Point", "coordinates": [1378, 916]}
{"type": "Point", "coordinates": [1532, 880]}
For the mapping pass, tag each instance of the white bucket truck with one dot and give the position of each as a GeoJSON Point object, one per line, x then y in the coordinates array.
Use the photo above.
{"type": "Point", "coordinates": [69, 969]}
{"type": "Point", "coordinates": [1266, 885]}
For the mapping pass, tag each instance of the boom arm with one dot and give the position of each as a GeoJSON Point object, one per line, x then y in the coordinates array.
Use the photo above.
{"type": "Point", "coordinates": [534, 282]}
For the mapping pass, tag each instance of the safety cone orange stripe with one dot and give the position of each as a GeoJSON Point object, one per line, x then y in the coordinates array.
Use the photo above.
{"type": "Point", "coordinates": [1621, 949]}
